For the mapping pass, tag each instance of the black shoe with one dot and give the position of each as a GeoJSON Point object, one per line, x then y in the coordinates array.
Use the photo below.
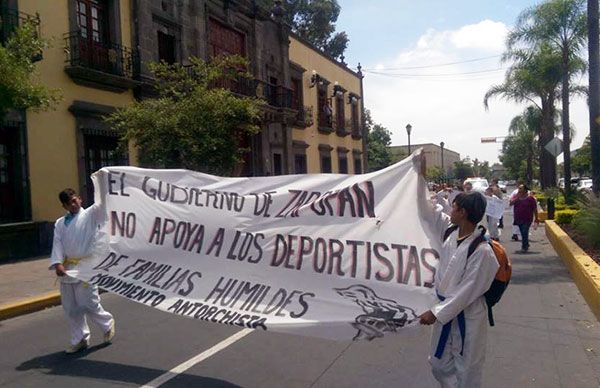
{"type": "Point", "coordinates": [515, 237]}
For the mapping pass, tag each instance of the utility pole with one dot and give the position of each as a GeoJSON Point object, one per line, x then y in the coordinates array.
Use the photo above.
{"type": "Point", "coordinates": [594, 89]}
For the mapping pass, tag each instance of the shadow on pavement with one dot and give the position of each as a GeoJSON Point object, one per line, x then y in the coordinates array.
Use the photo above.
{"type": "Point", "coordinates": [544, 270]}
{"type": "Point", "coordinates": [62, 364]}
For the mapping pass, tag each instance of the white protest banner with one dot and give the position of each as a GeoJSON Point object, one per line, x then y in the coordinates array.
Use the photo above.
{"type": "Point", "coordinates": [328, 255]}
{"type": "Point", "coordinates": [495, 207]}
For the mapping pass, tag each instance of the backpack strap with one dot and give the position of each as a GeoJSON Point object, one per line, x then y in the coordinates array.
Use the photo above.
{"type": "Point", "coordinates": [448, 232]}
{"type": "Point", "coordinates": [477, 241]}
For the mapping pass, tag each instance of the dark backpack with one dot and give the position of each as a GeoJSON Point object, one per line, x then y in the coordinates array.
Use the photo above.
{"type": "Point", "coordinates": [502, 278]}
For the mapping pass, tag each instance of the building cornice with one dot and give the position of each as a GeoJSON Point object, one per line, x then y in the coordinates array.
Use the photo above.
{"type": "Point", "coordinates": [324, 55]}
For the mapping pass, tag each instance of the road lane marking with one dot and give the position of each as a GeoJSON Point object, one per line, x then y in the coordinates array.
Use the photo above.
{"type": "Point", "coordinates": [197, 359]}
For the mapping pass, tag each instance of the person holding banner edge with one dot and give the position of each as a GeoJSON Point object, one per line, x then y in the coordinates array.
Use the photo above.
{"type": "Point", "coordinates": [460, 318]}
{"type": "Point", "coordinates": [73, 237]}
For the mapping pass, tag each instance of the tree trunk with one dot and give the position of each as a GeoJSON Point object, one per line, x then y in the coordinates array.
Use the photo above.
{"type": "Point", "coordinates": [594, 85]}
{"type": "Point", "coordinates": [566, 129]}
{"type": "Point", "coordinates": [547, 161]}
{"type": "Point", "coordinates": [530, 164]}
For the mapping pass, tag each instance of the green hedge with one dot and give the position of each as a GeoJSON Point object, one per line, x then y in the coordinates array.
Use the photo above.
{"type": "Point", "coordinates": [587, 221]}
{"type": "Point", "coordinates": [565, 216]}
{"type": "Point", "coordinates": [566, 207]}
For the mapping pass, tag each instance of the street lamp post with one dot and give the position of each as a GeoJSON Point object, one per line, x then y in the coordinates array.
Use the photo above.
{"type": "Point", "coordinates": [408, 129]}
{"type": "Point", "coordinates": [442, 147]}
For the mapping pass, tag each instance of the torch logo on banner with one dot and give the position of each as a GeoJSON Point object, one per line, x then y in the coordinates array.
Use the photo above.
{"type": "Point", "coordinates": [381, 314]}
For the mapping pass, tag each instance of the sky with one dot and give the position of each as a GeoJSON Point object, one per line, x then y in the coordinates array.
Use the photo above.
{"type": "Point", "coordinates": [409, 52]}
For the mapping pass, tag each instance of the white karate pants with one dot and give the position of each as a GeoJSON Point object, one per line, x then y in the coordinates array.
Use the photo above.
{"type": "Point", "coordinates": [493, 227]}
{"type": "Point", "coordinates": [515, 229]}
{"type": "Point", "coordinates": [81, 299]}
{"type": "Point", "coordinates": [454, 370]}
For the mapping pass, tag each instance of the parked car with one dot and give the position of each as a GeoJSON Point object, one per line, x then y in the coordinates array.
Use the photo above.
{"type": "Point", "coordinates": [574, 182]}
{"type": "Point", "coordinates": [584, 185]}
{"type": "Point", "coordinates": [479, 184]}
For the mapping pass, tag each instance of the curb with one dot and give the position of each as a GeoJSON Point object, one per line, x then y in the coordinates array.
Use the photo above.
{"type": "Point", "coordinates": [584, 270]}
{"type": "Point", "coordinates": [29, 305]}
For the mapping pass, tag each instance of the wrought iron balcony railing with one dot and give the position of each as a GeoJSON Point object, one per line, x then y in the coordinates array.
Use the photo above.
{"type": "Point", "coordinates": [110, 58]}
{"type": "Point", "coordinates": [240, 85]}
{"type": "Point", "coordinates": [275, 95]}
{"type": "Point", "coordinates": [353, 127]}
{"type": "Point", "coordinates": [304, 116]}
{"type": "Point", "coordinates": [10, 19]}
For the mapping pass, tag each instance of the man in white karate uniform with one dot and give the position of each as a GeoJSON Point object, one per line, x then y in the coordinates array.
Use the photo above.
{"type": "Point", "coordinates": [492, 222]}
{"type": "Point", "coordinates": [73, 237]}
{"type": "Point", "coordinates": [460, 318]}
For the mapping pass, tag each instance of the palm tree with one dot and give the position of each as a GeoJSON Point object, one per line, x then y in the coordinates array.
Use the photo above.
{"type": "Point", "coordinates": [534, 78]}
{"type": "Point", "coordinates": [562, 25]}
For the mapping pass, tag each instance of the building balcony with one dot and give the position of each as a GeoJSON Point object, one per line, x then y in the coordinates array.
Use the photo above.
{"type": "Point", "coordinates": [275, 95]}
{"type": "Point", "coordinates": [325, 123]}
{"type": "Point", "coordinates": [241, 86]}
{"type": "Point", "coordinates": [342, 126]}
{"type": "Point", "coordinates": [356, 130]}
{"type": "Point", "coordinates": [108, 66]}
{"type": "Point", "coordinates": [353, 128]}
{"type": "Point", "coordinates": [304, 116]}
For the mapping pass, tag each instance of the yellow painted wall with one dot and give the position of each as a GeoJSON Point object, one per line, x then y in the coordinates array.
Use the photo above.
{"type": "Point", "coordinates": [311, 59]}
{"type": "Point", "coordinates": [52, 135]}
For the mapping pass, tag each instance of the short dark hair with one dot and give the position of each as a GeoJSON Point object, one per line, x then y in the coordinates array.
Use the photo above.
{"type": "Point", "coordinates": [473, 203]}
{"type": "Point", "coordinates": [66, 195]}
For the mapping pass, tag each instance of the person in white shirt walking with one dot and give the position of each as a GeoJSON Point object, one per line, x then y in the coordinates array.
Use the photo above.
{"type": "Point", "coordinates": [491, 221]}
{"type": "Point", "coordinates": [460, 317]}
{"type": "Point", "coordinates": [73, 238]}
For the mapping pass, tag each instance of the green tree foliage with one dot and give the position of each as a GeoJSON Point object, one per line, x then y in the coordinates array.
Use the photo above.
{"type": "Point", "coordinates": [314, 20]}
{"type": "Point", "coordinates": [463, 169]}
{"type": "Point", "coordinates": [482, 169]}
{"type": "Point", "coordinates": [192, 124]}
{"type": "Point", "coordinates": [379, 154]}
{"type": "Point", "coordinates": [582, 161]}
{"type": "Point", "coordinates": [522, 148]}
{"type": "Point", "coordinates": [512, 156]}
{"type": "Point", "coordinates": [561, 25]}
{"type": "Point", "coordinates": [18, 87]}
{"type": "Point", "coordinates": [435, 174]}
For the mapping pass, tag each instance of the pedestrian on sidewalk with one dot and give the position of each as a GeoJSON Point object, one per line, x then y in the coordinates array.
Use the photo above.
{"type": "Point", "coordinates": [525, 211]}
{"type": "Point", "coordinates": [498, 193]}
{"type": "Point", "coordinates": [460, 317]}
{"type": "Point", "coordinates": [467, 187]}
{"type": "Point", "coordinates": [491, 221]}
{"type": "Point", "coordinates": [73, 236]}
{"type": "Point", "coordinates": [515, 229]}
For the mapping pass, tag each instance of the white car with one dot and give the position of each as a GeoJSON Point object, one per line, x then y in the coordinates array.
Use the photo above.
{"type": "Point", "coordinates": [479, 184]}
{"type": "Point", "coordinates": [584, 185]}
{"type": "Point", "coordinates": [502, 186]}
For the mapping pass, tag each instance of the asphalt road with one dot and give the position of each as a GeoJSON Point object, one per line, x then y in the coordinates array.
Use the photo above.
{"type": "Point", "coordinates": [545, 336]}
{"type": "Point", "coordinates": [150, 342]}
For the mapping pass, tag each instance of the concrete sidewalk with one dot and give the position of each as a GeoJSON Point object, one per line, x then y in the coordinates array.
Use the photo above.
{"type": "Point", "coordinates": [27, 286]}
